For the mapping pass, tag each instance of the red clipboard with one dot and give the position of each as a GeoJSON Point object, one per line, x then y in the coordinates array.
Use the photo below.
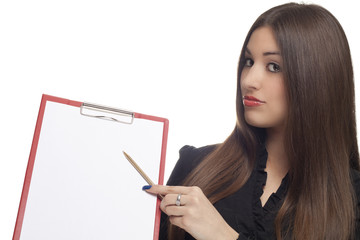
{"type": "Point", "coordinates": [77, 182]}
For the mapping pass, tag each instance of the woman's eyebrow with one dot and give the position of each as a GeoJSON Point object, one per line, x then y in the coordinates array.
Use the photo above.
{"type": "Point", "coordinates": [271, 53]}
{"type": "Point", "coordinates": [265, 53]}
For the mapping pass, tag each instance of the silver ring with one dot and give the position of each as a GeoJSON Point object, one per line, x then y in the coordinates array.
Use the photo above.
{"type": "Point", "coordinates": [177, 203]}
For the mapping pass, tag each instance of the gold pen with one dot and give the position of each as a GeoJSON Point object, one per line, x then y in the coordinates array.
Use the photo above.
{"type": "Point", "coordinates": [142, 173]}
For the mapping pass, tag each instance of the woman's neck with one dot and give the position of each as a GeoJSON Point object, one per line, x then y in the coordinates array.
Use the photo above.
{"type": "Point", "coordinates": [277, 164]}
{"type": "Point", "coordinates": [277, 158]}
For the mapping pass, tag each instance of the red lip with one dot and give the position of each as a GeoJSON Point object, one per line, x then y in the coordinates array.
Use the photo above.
{"type": "Point", "coordinates": [250, 101]}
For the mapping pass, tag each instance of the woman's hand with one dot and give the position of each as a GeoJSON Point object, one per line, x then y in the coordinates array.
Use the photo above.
{"type": "Point", "coordinates": [196, 215]}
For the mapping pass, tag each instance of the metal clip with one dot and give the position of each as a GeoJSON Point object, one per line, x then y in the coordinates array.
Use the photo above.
{"type": "Point", "coordinates": [109, 113]}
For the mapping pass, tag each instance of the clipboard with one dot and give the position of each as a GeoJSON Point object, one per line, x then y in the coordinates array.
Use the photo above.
{"type": "Point", "coordinates": [78, 185]}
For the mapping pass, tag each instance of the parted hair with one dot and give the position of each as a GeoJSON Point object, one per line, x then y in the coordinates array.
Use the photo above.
{"type": "Point", "coordinates": [321, 142]}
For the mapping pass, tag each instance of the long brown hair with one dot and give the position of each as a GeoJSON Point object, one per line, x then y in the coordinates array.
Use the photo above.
{"type": "Point", "coordinates": [321, 142]}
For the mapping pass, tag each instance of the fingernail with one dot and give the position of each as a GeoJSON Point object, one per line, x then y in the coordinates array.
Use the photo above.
{"type": "Point", "coordinates": [146, 187]}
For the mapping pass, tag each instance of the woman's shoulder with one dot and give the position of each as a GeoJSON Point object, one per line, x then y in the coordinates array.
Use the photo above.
{"type": "Point", "coordinates": [194, 153]}
{"type": "Point", "coordinates": [190, 157]}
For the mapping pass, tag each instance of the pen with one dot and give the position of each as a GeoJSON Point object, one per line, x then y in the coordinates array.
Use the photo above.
{"type": "Point", "coordinates": [142, 173]}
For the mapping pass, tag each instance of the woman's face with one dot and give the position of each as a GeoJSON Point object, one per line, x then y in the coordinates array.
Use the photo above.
{"type": "Point", "coordinates": [262, 81]}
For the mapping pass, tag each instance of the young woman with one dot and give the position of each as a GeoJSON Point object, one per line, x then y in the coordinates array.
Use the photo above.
{"type": "Point", "coordinates": [290, 168]}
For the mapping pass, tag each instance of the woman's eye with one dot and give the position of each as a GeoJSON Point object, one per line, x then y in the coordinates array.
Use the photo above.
{"type": "Point", "coordinates": [249, 62]}
{"type": "Point", "coordinates": [273, 67]}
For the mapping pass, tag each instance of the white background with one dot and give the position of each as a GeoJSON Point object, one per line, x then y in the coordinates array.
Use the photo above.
{"type": "Point", "coordinates": [173, 59]}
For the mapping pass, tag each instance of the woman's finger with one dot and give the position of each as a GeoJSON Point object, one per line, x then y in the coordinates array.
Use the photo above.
{"type": "Point", "coordinates": [174, 200]}
{"type": "Point", "coordinates": [175, 210]}
{"type": "Point", "coordinates": [164, 190]}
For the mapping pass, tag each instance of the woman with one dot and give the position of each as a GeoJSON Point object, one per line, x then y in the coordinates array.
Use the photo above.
{"type": "Point", "coordinates": [290, 168]}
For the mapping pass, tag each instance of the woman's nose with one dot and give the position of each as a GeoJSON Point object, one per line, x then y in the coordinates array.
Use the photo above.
{"type": "Point", "coordinates": [251, 78]}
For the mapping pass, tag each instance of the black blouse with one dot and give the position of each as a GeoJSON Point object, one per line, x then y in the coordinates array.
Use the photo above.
{"type": "Point", "coordinates": [242, 210]}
